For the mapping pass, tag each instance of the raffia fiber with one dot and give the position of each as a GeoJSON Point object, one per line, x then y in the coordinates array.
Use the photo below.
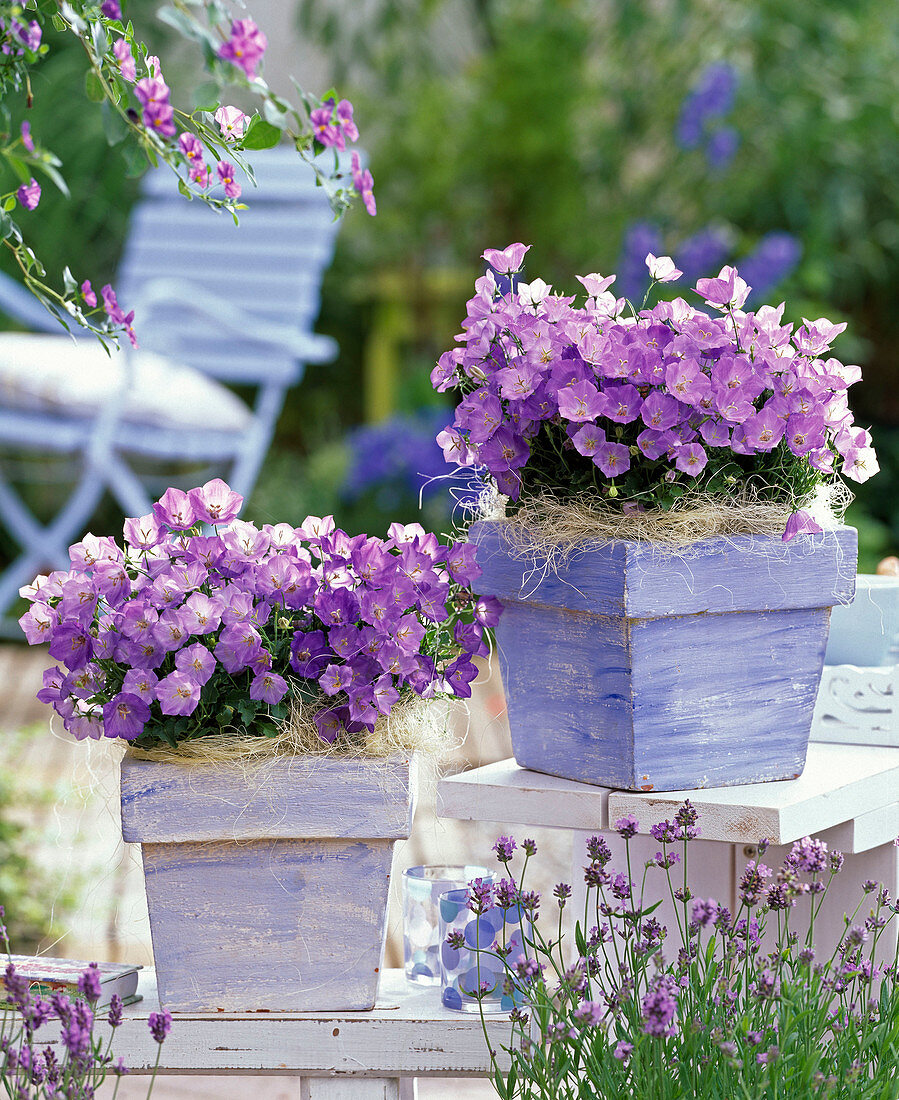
{"type": "Point", "coordinates": [414, 725]}
{"type": "Point", "coordinates": [551, 527]}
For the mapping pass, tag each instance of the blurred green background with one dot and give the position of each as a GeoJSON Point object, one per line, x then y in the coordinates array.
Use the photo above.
{"type": "Point", "coordinates": [597, 130]}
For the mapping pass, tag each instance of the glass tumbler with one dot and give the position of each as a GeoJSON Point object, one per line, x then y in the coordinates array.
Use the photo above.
{"type": "Point", "coordinates": [463, 969]}
{"type": "Point", "coordinates": [422, 887]}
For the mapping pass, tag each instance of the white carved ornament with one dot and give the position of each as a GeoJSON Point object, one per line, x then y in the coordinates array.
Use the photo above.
{"type": "Point", "coordinates": [859, 706]}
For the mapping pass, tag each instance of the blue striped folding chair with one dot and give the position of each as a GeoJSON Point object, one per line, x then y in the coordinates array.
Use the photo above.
{"type": "Point", "coordinates": [216, 305]}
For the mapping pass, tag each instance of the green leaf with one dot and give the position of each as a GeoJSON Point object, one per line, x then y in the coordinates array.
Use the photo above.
{"type": "Point", "coordinates": [261, 135]}
{"type": "Point", "coordinates": [114, 126]}
{"type": "Point", "coordinates": [52, 174]}
{"type": "Point", "coordinates": [59, 23]}
{"type": "Point", "coordinates": [10, 203]}
{"type": "Point", "coordinates": [247, 711]}
{"type": "Point", "coordinates": [135, 161]}
{"type": "Point", "coordinates": [180, 22]}
{"type": "Point", "coordinates": [275, 115]}
{"type": "Point", "coordinates": [93, 87]}
{"type": "Point", "coordinates": [20, 168]}
{"type": "Point", "coordinates": [206, 96]}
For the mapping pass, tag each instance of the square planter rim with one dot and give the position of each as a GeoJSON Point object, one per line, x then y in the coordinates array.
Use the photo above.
{"type": "Point", "coordinates": [286, 797]}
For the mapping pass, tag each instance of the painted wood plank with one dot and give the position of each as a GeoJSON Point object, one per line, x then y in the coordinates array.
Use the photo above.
{"type": "Point", "coordinates": [407, 1034]}
{"type": "Point", "coordinates": [627, 668]}
{"type": "Point", "coordinates": [740, 573]}
{"type": "Point", "coordinates": [661, 704]}
{"type": "Point", "coordinates": [874, 828]}
{"type": "Point", "coordinates": [743, 573]}
{"type": "Point", "coordinates": [311, 797]}
{"type": "Point", "coordinates": [840, 782]}
{"type": "Point", "coordinates": [506, 792]}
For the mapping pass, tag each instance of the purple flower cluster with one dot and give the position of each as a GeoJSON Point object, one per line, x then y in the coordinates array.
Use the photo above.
{"type": "Point", "coordinates": [364, 183]}
{"type": "Point", "coordinates": [664, 392]}
{"type": "Point", "coordinates": [179, 629]}
{"type": "Point", "coordinates": [245, 46]}
{"type": "Point", "coordinates": [16, 37]}
{"type": "Point", "coordinates": [773, 259]}
{"type": "Point", "coordinates": [30, 1066]}
{"type": "Point", "coordinates": [29, 194]}
{"type": "Point", "coordinates": [660, 1007]}
{"type": "Point", "coordinates": [620, 1000]}
{"type": "Point", "coordinates": [157, 113]}
{"type": "Point", "coordinates": [712, 97]}
{"type": "Point", "coordinates": [703, 251]}
{"type": "Point", "coordinates": [333, 125]}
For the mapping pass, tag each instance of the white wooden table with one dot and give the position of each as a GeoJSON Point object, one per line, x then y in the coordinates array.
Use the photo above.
{"type": "Point", "coordinates": [848, 796]}
{"type": "Point", "coordinates": [338, 1055]}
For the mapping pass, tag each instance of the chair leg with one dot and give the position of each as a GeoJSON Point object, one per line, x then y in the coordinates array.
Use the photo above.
{"type": "Point", "coordinates": [42, 546]}
{"type": "Point", "coordinates": [255, 445]}
{"type": "Point", "coordinates": [126, 487]}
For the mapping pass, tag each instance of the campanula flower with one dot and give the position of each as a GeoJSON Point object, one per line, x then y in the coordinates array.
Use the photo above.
{"type": "Point", "coordinates": [125, 716]}
{"type": "Point", "coordinates": [661, 268]}
{"type": "Point", "coordinates": [29, 194]}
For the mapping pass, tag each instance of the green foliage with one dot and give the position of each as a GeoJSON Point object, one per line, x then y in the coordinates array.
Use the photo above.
{"type": "Point", "coordinates": [560, 470]}
{"type": "Point", "coordinates": [548, 123]}
{"type": "Point", "coordinates": [695, 1008]}
{"type": "Point", "coordinates": [88, 229]}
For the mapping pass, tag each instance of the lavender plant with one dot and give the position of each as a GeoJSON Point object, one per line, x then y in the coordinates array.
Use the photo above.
{"type": "Point", "coordinates": [637, 407]}
{"type": "Point", "coordinates": [181, 634]}
{"type": "Point", "coordinates": [631, 1008]}
{"type": "Point", "coordinates": [31, 1069]}
{"type": "Point", "coordinates": [200, 146]}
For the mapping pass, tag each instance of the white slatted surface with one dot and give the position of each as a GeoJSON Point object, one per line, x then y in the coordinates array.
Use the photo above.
{"type": "Point", "coordinates": [840, 783]}
{"type": "Point", "coordinates": [270, 265]}
{"type": "Point", "coordinates": [407, 1034]}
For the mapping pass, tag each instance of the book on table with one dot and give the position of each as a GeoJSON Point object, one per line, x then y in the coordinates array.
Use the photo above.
{"type": "Point", "coordinates": [48, 976]}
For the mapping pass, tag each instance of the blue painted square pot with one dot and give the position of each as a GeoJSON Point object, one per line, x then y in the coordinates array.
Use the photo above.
{"type": "Point", "coordinates": [645, 669]}
{"type": "Point", "coordinates": [267, 885]}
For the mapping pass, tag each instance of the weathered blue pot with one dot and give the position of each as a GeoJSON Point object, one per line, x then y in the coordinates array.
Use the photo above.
{"type": "Point", "coordinates": [267, 885]}
{"type": "Point", "coordinates": [643, 669]}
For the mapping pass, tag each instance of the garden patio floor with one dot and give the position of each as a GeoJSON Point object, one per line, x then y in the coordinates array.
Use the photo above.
{"type": "Point", "coordinates": [79, 840]}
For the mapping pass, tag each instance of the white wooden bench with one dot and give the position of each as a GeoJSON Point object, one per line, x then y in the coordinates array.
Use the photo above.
{"type": "Point", "coordinates": [337, 1055]}
{"type": "Point", "coordinates": [848, 796]}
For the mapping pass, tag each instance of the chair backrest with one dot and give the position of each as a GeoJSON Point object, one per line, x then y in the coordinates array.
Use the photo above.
{"type": "Point", "coordinates": [270, 266]}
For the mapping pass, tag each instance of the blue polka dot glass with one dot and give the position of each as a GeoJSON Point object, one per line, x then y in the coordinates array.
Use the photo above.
{"type": "Point", "coordinates": [464, 970]}
{"type": "Point", "coordinates": [422, 887]}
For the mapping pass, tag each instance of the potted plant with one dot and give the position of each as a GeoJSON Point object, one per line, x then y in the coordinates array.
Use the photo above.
{"type": "Point", "coordinates": [268, 683]}
{"type": "Point", "coordinates": [666, 589]}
